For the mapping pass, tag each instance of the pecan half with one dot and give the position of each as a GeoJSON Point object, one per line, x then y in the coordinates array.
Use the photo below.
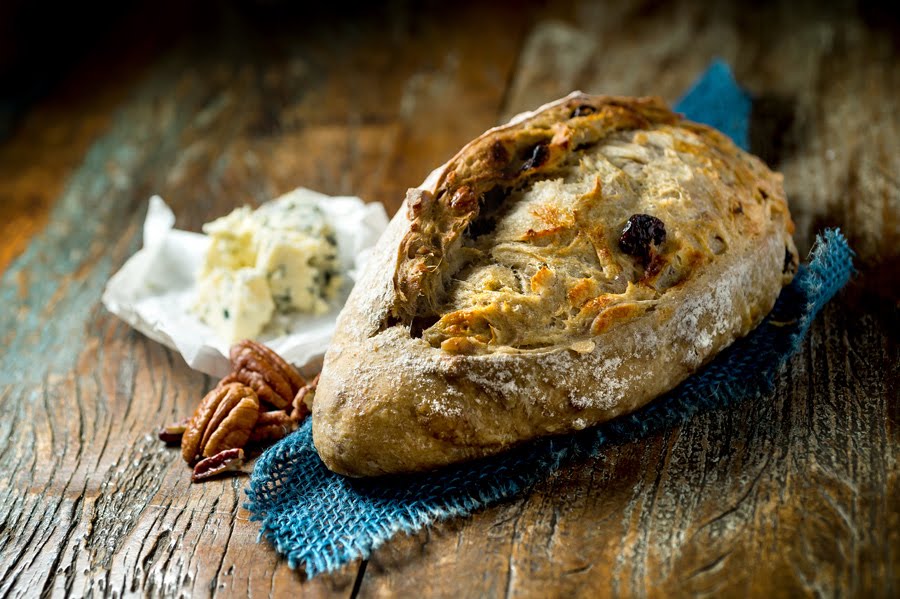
{"type": "Point", "coordinates": [302, 404]}
{"type": "Point", "coordinates": [272, 426]}
{"type": "Point", "coordinates": [171, 434]}
{"type": "Point", "coordinates": [223, 420]}
{"type": "Point", "coordinates": [275, 381]}
{"type": "Point", "coordinates": [229, 460]}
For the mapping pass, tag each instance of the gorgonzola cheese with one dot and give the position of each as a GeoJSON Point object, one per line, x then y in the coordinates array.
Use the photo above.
{"type": "Point", "coordinates": [237, 304]}
{"type": "Point", "coordinates": [277, 259]}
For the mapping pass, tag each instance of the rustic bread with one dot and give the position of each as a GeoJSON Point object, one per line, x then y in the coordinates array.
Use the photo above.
{"type": "Point", "coordinates": [559, 271]}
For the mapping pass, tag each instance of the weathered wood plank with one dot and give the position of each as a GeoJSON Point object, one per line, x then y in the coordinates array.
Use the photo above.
{"type": "Point", "coordinates": [785, 494]}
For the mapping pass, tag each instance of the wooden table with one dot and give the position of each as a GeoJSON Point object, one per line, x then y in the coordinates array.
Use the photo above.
{"type": "Point", "coordinates": [794, 493]}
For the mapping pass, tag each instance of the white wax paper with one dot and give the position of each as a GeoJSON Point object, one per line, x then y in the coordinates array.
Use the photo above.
{"type": "Point", "coordinates": [154, 289]}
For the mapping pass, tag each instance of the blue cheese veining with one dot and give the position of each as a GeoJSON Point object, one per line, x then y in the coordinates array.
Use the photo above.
{"type": "Point", "coordinates": [278, 259]}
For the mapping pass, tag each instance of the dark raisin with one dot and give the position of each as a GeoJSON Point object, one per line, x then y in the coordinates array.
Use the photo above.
{"type": "Point", "coordinates": [226, 314]}
{"type": "Point", "coordinates": [498, 154]}
{"type": "Point", "coordinates": [583, 110]}
{"type": "Point", "coordinates": [640, 233]}
{"type": "Point", "coordinates": [539, 155]}
{"type": "Point", "coordinates": [492, 202]}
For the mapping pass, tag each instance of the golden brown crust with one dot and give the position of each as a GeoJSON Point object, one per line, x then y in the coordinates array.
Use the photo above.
{"type": "Point", "coordinates": [510, 301]}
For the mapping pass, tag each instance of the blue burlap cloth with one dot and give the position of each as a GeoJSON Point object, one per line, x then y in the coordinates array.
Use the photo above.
{"type": "Point", "coordinates": [321, 520]}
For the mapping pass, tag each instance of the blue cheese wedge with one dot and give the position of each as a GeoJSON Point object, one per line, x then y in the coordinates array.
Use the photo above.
{"type": "Point", "coordinates": [279, 259]}
{"type": "Point", "coordinates": [292, 263]}
{"type": "Point", "coordinates": [232, 242]}
{"type": "Point", "coordinates": [237, 304]}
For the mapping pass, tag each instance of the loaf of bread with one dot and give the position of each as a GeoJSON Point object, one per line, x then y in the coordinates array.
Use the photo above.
{"type": "Point", "coordinates": [557, 272]}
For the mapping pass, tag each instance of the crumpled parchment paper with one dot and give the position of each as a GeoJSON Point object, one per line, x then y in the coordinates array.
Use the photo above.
{"type": "Point", "coordinates": [154, 289]}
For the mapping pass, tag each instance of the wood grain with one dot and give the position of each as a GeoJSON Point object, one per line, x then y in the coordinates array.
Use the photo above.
{"type": "Point", "coordinates": [788, 494]}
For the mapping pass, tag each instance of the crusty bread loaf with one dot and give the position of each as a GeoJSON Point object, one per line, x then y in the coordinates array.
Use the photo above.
{"type": "Point", "coordinates": [559, 271]}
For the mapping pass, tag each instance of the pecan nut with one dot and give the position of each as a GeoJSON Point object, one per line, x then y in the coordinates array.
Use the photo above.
{"type": "Point", "coordinates": [229, 460]}
{"type": "Point", "coordinates": [272, 426]}
{"type": "Point", "coordinates": [171, 434]}
{"type": "Point", "coordinates": [275, 381]}
{"type": "Point", "coordinates": [303, 401]}
{"type": "Point", "coordinates": [224, 420]}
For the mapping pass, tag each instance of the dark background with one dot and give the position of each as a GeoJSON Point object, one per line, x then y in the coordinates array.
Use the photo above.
{"type": "Point", "coordinates": [44, 42]}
